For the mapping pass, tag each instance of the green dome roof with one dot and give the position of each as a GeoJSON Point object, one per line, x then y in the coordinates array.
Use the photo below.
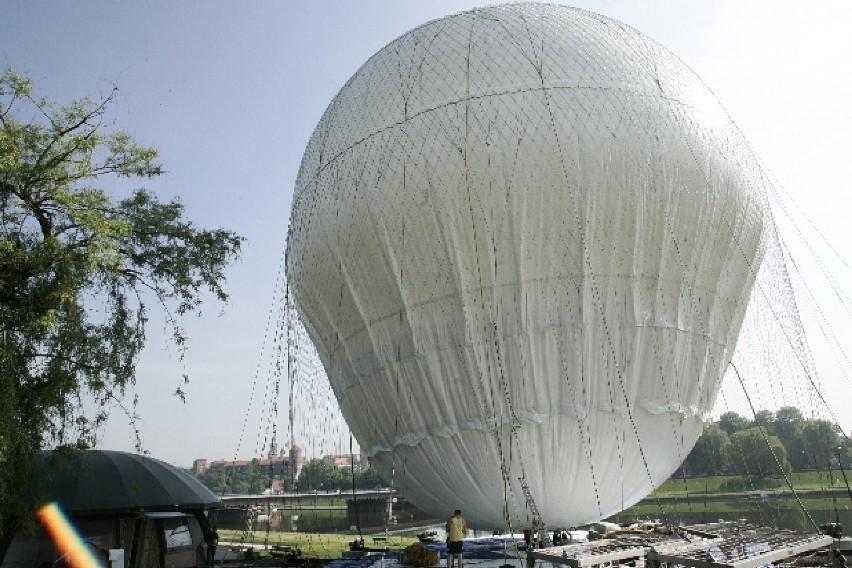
{"type": "Point", "coordinates": [97, 481]}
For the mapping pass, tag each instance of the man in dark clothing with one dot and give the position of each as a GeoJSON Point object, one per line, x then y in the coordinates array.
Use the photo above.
{"type": "Point", "coordinates": [211, 539]}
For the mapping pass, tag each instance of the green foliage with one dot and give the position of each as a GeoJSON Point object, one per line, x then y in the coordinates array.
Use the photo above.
{"type": "Point", "coordinates": [254, 478]}
{"type": "Point", "coordinates": [731, 423]}
{"type": "Point", "coordinates": [710, 454]}
{"type": "Point", "coordinates": [788, 427]}
{"type": "Point", "coordinates": [822, 440]}
{"type": "Point", "coordinates": [807, 444]}
{"type": "Point", "coordinates": [79, 267]}
{"type": "Point", "coordinates": [317, 474]}
{"type": "Point", "coordinates": [766, 420]}
{"type": "Point", "coordinates": [368, 479]}
{"type": "Point", "coordinates": [321, 474]}
{"type": "Point", "coordinates": [756, 454]}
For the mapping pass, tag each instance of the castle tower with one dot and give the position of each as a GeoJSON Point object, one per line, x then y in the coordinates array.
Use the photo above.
{"type": "Point", "coordinates": [296, 460]}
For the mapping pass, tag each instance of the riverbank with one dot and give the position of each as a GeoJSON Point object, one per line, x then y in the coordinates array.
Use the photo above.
{"type": "Point", "coordinates": [326, 531]}
{"type": "Point", "coordinates": [323, 546]}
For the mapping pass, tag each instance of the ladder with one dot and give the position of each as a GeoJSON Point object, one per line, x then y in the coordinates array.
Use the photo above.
{"type": "Point", "coordinates": [538, 525]}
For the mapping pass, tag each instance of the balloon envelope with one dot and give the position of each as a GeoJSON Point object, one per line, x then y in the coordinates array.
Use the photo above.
{"type": "Point", "coordinates": [523, 239]}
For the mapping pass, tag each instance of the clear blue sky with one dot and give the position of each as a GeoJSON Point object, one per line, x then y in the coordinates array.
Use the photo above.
{"type": "Point", "coordinates": [230, 93]}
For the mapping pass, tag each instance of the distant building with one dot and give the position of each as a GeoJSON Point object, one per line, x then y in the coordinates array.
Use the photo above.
{"type": "Point", "coordinates": [296, 459]}
{"type": "Point", "coordinates": [280, 465]}
{"type": "Point", "coordinates": [345, 460]}
{"type": "Point", "coordinates": [236, 465]}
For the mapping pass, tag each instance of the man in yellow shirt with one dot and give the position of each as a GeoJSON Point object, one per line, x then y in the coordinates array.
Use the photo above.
{"type": "Point", "coordinates": [456, 531]}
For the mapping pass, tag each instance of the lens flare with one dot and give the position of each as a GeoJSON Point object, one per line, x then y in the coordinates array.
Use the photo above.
{"type": "Point", "coordinates": [68, 542]}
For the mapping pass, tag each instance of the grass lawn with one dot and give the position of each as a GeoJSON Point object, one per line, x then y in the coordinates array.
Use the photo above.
{"type": "Point", "coordinates": [735, 484]}
{"type": "Point", "coordinates": [313, 545]}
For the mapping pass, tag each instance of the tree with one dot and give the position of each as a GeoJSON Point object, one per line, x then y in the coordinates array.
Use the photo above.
{"type": "Point", "coordinates": [789, 424]}
{"type": "Point", "coordinates": [322, 474]}
{"type": "Point", "coordinates": [731, 423]}
{"type": "Point", "coordinates": [216, 480]}
{"type": "Point", "coordinates": [78, 268]}
{"type": "Point", "coordinates": [368, 479]}
{"type": "Point", "coordinates": [821, 443]}
{"type": "Point", "coordinates": [709, 456]}
{"type": "Point", "coordinates": [751, 456]}
{"type": "Point", "coordinates": [844, 452]}
{"type": "Point", "coordinates": [766, 420]}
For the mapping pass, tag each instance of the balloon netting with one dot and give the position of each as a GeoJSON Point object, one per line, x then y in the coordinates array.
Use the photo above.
{"type": "Point", "coordinates": [523, 241]}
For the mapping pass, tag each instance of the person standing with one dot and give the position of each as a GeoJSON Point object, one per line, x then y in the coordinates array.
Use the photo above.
{"type": "Point", "coordinates": [456, 531]}
{"type": "Point", "coordinates": [211, 539]}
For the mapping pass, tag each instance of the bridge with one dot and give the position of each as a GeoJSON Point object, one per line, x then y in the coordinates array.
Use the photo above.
{"type": "Point", "coordinates": [306, 499]}
{"type": "Point", "coordinates": [369, 508]}
{"type": "Point", "coordinates": [316, 500]}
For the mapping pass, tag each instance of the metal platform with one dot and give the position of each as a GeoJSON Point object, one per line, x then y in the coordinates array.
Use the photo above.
{"type": "Point", "coordinates": [735, 546]}
{"type": "Point", "coordinates": [607, 552]}
{"type": "Point", "coordinates": [715, 545]}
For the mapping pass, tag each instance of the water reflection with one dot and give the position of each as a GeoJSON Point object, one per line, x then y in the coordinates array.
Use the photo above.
{"type": "Point", "coordinates": [783, 513]}
{"type": "Point", "coordinates": [772, 511]}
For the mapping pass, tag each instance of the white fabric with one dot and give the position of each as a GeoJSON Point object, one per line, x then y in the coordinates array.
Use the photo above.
{"type": "Point", "coordinates": [523, 238]}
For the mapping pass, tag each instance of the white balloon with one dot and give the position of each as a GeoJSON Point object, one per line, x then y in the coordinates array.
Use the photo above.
{"type": "Point", "coordinates": [523, 239]}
